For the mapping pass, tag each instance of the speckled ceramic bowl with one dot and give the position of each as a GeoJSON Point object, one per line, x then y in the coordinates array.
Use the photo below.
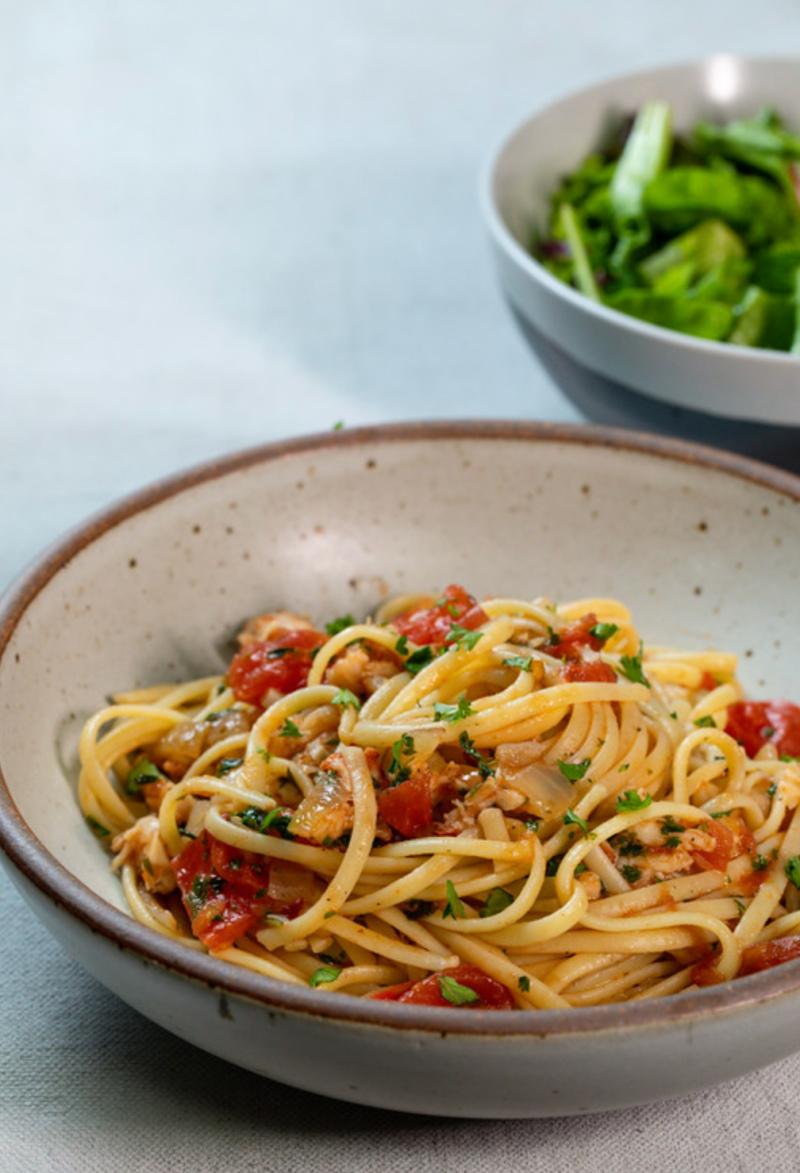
{"type": "Point", "coordinates": [705, 548]}
{"type": "Point", "coordinates": [523, 172]}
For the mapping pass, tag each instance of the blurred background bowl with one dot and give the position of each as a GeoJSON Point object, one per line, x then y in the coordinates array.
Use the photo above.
{"type": "Point", "coordinates": [592, 351]}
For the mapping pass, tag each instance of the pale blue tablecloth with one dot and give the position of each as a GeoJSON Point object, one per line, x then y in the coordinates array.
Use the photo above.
{"type": "Point", "coordinates": [226, 223]}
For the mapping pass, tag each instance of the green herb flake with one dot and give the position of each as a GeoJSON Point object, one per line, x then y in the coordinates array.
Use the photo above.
{"type": "Point", "coordinates": [497, 901]}
{"type": "Point", "coordinates": [453, 713]}
{"type": "Point", "coordinates": [574, 771]}
{"type": "Point", "coordinates": [706, 722]}
{"type": "Point", "coordinates": [98, 828]}
{"type": "Point", "coordinates": [346, 699]}
{"type": "Point", "coordinates": [419, 659]}
{"type": "Point", "coordinates": [631, 668]}
{"type": "Point", "coordinates": [453, 906]}
{"type": "Point", "coordinates": [323, 975]}
{"type": "Point", "coordinates": [225, 765]}
{"type": "Point", "coordinates": [462, 637]}
{"type": "Point", "coordinates": [631, 800]}
{"type": "Point", "coordinates": [524, 983]}
{"type": "Point", "coordinates": [603, 631]}
{"type": "Point", "coordinates": [760, 863]}
{"type": "Point", "coordinates": [792, 870]}
{"type": "Point", "coordinates": [340, 624]}
{"type": "Point", "coordinates": [524, 663]}
{"type": "Point", "coordinates": [142, 772]}
{"type": "Point", "coordinates": [486, 768]}
{"type": "Point", "coordinates": [398, 770]}
{"type": "Point", "coordinates": [630, 873]}
{"type": "Point", "coordinates": [571, 818]}
{"type": "Point", "coordinates": [401, 647]}
{"type": "Point", "coordinates": [456, 993]}
{"type": "Point", "coordinates": [289, 729]}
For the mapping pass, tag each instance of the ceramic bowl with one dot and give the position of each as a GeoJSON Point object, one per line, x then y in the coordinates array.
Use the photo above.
{"type": "Point", "coordinates": [516, 188]}
{"type": "Point", "coordinates": [704, 547]}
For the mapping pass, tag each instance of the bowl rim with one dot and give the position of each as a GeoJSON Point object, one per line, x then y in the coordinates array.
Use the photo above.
{"type": "Point", "coordinates": [57, 885]}
{"type": "Point", "coordinates": [504, 238]}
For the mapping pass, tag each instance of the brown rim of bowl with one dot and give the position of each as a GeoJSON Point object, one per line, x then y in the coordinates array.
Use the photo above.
{"type": "Point", "coordinates": [70, 895]}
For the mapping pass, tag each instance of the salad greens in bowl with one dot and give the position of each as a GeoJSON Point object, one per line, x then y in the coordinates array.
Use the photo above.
{"type": "Point", "coordinates": [697, 233]}
{"type": "Point", "coordinates": [649, 228]}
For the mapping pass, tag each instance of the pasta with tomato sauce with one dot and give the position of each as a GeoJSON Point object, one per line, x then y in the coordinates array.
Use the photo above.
{"type": "Point", "coordinates": [504, 804]}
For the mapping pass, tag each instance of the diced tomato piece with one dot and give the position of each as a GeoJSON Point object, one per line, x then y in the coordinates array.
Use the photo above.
{"type": "Point", "coordinates": [573, 638]}
{"type": "Point", "coordinates": [708, 682]}
{"type": "Point", "coordinates": [432, 625]}
{"type": "Point", "coordinates": [718, 857]}
{"type": "Point", "coordinates": [588, 671]}
{"type": "Point", "coordinates": [492, 995]}
{"type": "Point", "coordinates": [407, 807]}
{"type": "Point", "coordinates": [766, 954]}
{"type": "Point", "coordinates": [226, 892]}
{"type": "Point", "coordinates": [758, 723]}
{"type": "Point", "coordinates": [282, 663]}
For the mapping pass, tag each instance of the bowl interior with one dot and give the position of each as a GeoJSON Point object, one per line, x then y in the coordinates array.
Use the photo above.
{"type": "Point", "coordinates": [155, 589]}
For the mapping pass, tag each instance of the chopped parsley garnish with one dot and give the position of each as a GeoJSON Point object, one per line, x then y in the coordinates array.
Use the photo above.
{"type": "Point", "coordinates": [603, 631]}
{"type": "Point", "coordinates": [340, 624]}
{"type": "Point", "coordinates": [626, 844]}
{"type": "Point", "coordinates": [631, 668]}
{"type": "Point", "coordinates": [259, 820]}
{"type": "Point", "coordinates": [462, 637]}
{"type": "Point", "coordinates": [141, 772]}
{"type": "Point", "coordinates": [325, 973]}
{"type": "Point", "coordinates": [552, 865]}
{"type": "Point", "coordinates": [453, 713]}
{"type": "Point", "coordinates": [721, 814]}
{"type": "Point", "coordinates": [346, 699]}
{"type": "Point", "coordinates": [522, 662]}
{"type": "Point", "coordinates": [225, 765]}
{"type": "Point", "coordinates": [792, 870]}
{"type": "Point", "coordinates": [419, 659]}
{"type": "Point", "coordinates": [630, 873]}
{"type": "Point", "coordinates": [760, 863]}
{"type": "Point", "coordinates": [574, 771]}
{"type": "Point", "coordinates": [497, 900]}
{"type": "Point", "coordinates": [453, 906]}
{"type": "Point", "coordinates": [524, 983]}
{"type": "Point", "coordinates": [202, 888]}
{"type": "Point", "coordinates": [631, 800]}
{"type": "Point", "coordinates": [571, 818]}
{"type": "Point", "coordinates": [98, 828]}
{"type": "Point", "coordinates": [279, 653]}
{"type": "Point", "coordinates": [401, 647]}
{"type": "Point", "coordinates": [454, 992]}
{"type": "Point", "coordinates": [706, 722]}
{"type": "Point", "coordinates": [289, 729]}
{"type": "Point", "coordinates": [265, 754]}
{"type": "Point", "coordinates": [485, 767]}
{"type": "Point", "coordinates": [670, 827]}
{"type": "Point", "coordinates": [404, 747]}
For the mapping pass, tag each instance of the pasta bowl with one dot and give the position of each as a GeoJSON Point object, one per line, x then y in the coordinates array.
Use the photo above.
{"type": "Point", "coordinates": [521, 176]}
{"type": "Point", "coordinates": [703, 547]}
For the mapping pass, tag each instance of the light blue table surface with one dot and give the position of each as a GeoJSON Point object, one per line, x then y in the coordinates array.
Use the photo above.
{"type": "Point", "coordinates": [222, 224]}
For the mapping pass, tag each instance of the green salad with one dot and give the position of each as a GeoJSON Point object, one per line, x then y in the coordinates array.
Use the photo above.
{"type": "Point", "coordinates": [699, 234]}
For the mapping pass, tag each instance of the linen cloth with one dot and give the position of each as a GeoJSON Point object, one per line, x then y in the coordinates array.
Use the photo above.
{"type": "Point", "coordinates": [226, 224]}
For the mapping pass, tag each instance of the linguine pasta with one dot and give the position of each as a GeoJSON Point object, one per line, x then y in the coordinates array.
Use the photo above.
{"type": "Point", "coordinates": [504, 804]}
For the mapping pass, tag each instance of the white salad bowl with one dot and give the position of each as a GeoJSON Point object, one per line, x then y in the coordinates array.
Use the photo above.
{"type": "Point", "coordinates": [704, 548]}
{"type": "Point", "coordinates": [517, 185]}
